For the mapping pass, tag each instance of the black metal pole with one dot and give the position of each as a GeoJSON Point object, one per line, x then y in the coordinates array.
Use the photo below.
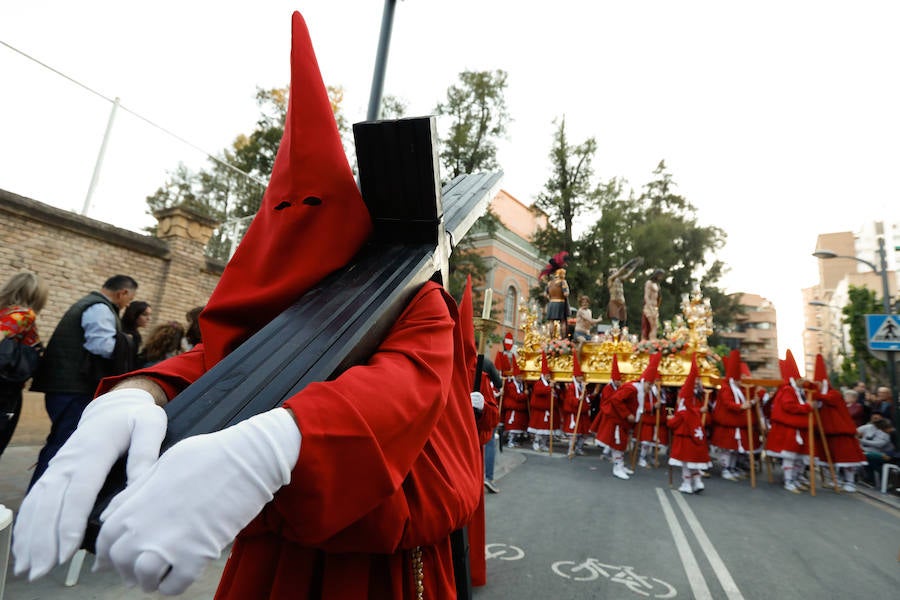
{"type": "Point", "coordinates": [886, 298]}
{"type": "Point", "coordinates": [384, 43]}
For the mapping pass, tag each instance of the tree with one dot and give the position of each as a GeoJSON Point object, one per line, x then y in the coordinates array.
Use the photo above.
{"type": "Point", "coordinates": [477, 110]}
{"type": "Point", "coordinates": [567, 191]}
{"type": "Point", "coordinates": [861, 365]}
{"type": "Point", "coordinates": [660, 226]}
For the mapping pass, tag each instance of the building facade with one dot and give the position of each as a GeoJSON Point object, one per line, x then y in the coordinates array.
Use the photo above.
{"type": "Point", "coordinates": [755, 334]}
{"type": "Point", "coordinates": [513, 262]}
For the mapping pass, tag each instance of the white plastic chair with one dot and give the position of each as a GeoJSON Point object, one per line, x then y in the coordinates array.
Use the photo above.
{"type": "Point", "coordinates": [6, 518]}
{"type": "Point", "coordinates": [885, 475]}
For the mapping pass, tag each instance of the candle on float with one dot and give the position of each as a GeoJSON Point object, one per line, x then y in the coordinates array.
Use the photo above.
{"type": "Point", "coordinates": [488, 297]}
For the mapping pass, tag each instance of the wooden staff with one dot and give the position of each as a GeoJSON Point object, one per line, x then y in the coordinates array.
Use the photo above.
{"type": "Point", "coordinates": [638, 430]}
{"type": "Point", "coordinates": [706, 394]}
{"type": "Point", "coordinates": [750, 438]}
{"type": "Point", "coordinates": [811, 440]}
{"type": "Point", "coordinates": [656, 434]}
{"type": "Point", "coordinates": [825, 447]}
{"type": "Point", "coordinates": [577, 420]}
{"type": "Point", "coordinates": [669, 412]}
{"type": "Point", "coordinates": [552, 414]}
{"type": "Point", "coordinates": [764, 434]}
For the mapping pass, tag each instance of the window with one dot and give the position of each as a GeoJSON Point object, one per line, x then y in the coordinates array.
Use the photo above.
{"type": "Point", "coordinates": [509, 307]}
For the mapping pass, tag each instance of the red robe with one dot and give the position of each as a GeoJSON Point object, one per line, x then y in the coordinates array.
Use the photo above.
{"type": "Point", "coordinates": [503, 362]}
{"type": "Point", "coordinates": [570, 410]}
{"type": "Point", "coordinates": [614, 427]}
{"type": "Point", "coordinates": [729, 421]}
{"type": "Point", "coordinates": [689, 444]}
{"type": "Point", "coordinates": [541, 420]}
{"type": "Point", "coordinates": [647, 427]}
{"type": "Point", "coordinates": [376, 477]}
{"type": "Point", "coordinates": [790, 421]}
{"type": "Point", "coordinates": [605, 394]}
{"type": "Point", "coordinates": [486, 423]}
{"type": "Point", "coordinates": [515, 407]}
{"type": "Point", "coordinates": [840, 431]}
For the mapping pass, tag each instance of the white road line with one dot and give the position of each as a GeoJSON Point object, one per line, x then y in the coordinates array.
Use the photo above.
{"type": "Point", "coordinates": [691, 568]}
{"type": "Point", "coordinates": [715, 561]}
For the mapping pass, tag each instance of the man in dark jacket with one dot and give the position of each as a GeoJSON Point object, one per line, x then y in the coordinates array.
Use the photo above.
{"type": "Point", "coordinates": [79, 354]}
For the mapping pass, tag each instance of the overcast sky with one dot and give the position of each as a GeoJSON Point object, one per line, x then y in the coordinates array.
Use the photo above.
{"type": "Point", "coordinates": [777, 120]}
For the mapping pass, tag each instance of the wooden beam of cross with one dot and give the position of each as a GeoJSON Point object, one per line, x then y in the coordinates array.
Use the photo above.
{"type": "Point", "coordinates": [342, 320]}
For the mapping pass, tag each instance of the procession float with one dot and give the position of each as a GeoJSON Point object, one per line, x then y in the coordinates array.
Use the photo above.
{"type": "Point", "coordinates": [681, 338]}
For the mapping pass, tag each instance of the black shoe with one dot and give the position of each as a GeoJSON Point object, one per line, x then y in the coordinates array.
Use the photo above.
{"type": "Point", "coordinates": [491, 487]}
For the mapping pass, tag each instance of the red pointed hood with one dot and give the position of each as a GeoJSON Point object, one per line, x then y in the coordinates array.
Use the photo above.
{"type": "Point", "coordinates": [545, 367]}
{"type": "Point", "coordinates": [651, 373]}
{"type": "Point", "coordinates": [311, 222]}
{"type": "Point", "coordinates": [687, 388]}
{"type": "Point", "coordinates": [733, 365]}
{"type": "Point", "coordinates": [508, 341]}
{"type": "Point", "coordinates": [516, 371]}
{"type": "Point", "coordinates": [467, 322]}
{"type": "Point", "coordinates": [576, 365]}
{"type": "Point", "coordinates": [790, 370]}
{"type": "Point", "coordinates": [821, 372]}
{"type": "Point", "coordinates": [614, 374]}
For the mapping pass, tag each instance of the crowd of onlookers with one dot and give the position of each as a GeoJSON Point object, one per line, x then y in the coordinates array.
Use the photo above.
{"type": "Point", "coordinates": [107, 332]}
{"type": "Point", "coordinates": [873, 414]}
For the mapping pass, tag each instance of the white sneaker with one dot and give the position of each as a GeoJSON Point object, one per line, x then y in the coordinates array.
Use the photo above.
{"type": "Point", "coordinates": [850, 488]}
{"type": "Point", "coordinates": [792, 487]}
{"type": "Point", "coordinates": [629, 471]}
{"type": "Point", "coordinates": [726, 474]}
{"type": "Point", "coordinates": [686, 488]}
{"type": "Point", "coordinates": [697, 484]}
{"type": "Point", "coordinates": [579, 451]}
{"type": "Point", "coordinates": [620, 473]}
{"type": "Point", "coordinates": [643, 463]}
{"type": "Point", "coordinates": [536, 446]}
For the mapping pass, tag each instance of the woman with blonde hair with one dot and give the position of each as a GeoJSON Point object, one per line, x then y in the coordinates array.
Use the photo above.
{"type": "Point", "coordinates": [21, 298]}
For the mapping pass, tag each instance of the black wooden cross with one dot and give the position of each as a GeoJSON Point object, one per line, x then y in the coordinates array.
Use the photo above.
{"type": "Point", "coordinates": [342, 321]}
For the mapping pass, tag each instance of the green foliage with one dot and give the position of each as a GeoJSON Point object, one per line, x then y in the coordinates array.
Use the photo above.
{"type": "Point", "coordinates": [477, 110]}
{"type": "Point", "coordinates": [659, 225]}
{"type": "Point", "coordinates": [861, 365]}
{"type": "Point", "coordinates": [568, 190]}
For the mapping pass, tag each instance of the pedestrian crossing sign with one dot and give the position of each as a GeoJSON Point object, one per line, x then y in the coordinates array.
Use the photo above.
{"type": "Point", "coordinates": [883, 332]}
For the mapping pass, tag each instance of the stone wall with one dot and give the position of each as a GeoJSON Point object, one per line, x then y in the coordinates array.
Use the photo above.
{"type": "Point", "coordinates": [76, 254]}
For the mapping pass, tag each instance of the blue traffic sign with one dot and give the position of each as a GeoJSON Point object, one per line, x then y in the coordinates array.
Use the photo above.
{"type": "Point", "coordinates": [883, 332]}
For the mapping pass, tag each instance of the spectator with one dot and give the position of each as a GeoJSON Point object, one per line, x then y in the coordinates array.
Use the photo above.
{"type": "Point", "coordinates": [862, 396]}
{"type": "Point", "coordinates": [884, 404]}
{"type": "Point", "coordinates": [851, 399]}
{"type": "Point", "coordinates": [192, 335]}
{"type": "Point", "coordinates": [21, 299]}
{"type": "Point", "coordinates": [875, 439]}
{"type": "Point", "coordinates": [78, 356]}
{"type": "Point", "coordinates": [136, 316]}
{"type": "Point", "coordinates": [162, 343]}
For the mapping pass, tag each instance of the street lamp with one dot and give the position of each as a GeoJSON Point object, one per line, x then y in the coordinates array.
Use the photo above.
{"type": "Point", "coordinates": [835, 336]}
{"type": "Point", "coordinates": [840, 326]}
{"type": "Point", "coordinates": [886, 298]}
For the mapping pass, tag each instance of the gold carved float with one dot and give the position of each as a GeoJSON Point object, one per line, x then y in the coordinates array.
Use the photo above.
{"type": "Point", "coordinates": [681, 338]}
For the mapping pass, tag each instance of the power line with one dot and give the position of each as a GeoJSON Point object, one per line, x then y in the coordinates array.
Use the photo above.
{"type": "Point", "coordinates": [139, 116]}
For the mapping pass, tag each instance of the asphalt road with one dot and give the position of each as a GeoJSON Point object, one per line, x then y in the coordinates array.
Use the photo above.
{"type": "Point", "coordinates": [562, 529]}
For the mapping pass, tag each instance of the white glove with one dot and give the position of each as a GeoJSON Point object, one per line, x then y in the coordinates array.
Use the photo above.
{"type": "Point", "coordinates": [477, 400]}
{"type": "Point", "coordinates": [54, 514]}
{"type": "Point", "coordinates": [164, 529]}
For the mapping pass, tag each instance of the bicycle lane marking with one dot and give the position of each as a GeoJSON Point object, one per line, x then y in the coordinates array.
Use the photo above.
{"type": "Point", "coordinates": [715, 561]}
{"type": "Point", "coordinates": [688, 560]}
